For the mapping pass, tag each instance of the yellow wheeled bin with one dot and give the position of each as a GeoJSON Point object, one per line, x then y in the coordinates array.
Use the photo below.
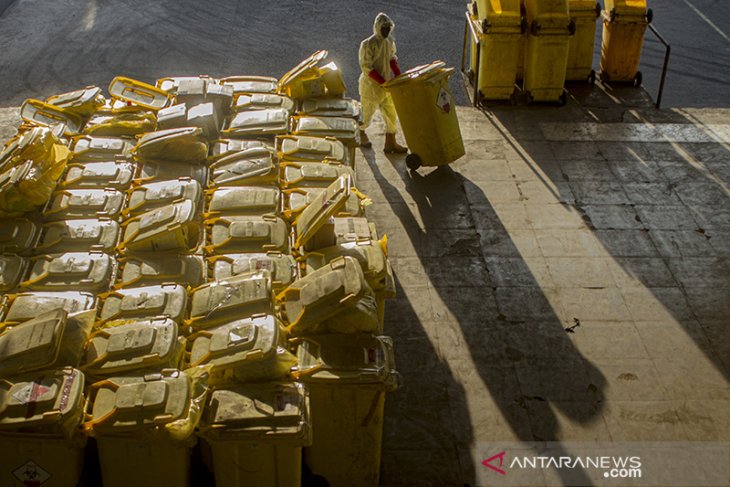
{"type": "Point", "coordinates": [580, 57]}
{"type": "Point", "coordinates": [500, 26]}
{"type": "Point", "coordinates": [256, 433]}
{"type": "Point", "coordinates": [624, 25]}
{"type": "Point", "coordinates": [548, 43]}
{"type": "Point", "coordinates": [144, 427]}
{"type": "Point", "coordinates": [347, 377]}
{"type": "Point", "coordinates": [41, 439]}
{"type": "Point", "coordinates": [427, 114]}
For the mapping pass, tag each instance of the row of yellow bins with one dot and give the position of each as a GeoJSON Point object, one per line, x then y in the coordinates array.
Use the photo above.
{"type": "Point", "coordinates": [544, 43]}
{"type": "Point", "coordinates": [187, 271]}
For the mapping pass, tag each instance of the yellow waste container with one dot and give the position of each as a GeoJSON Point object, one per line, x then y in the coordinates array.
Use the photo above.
{"type": "Point", "coordinates": [347, 377]}
{"type": "Point", "coordinates": [580, 57]}
{"type": "Point", "coordinates": [256, 433]}
{"type": "Point", "coordinates": [500, 26]}
{"type": "Point", "coordinates": [41, 439]}
{"type": "Point", "coordinates": [548, 43]}
{"type": "Point", "coordinates": [144, 427]}
{"type": "Point", "coordinates": [427, 114]}
{"type": "Point", "coordinates": [624, 25]}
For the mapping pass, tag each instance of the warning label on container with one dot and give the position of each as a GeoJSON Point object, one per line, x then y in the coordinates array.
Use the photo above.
{"type": "Point", "coordinates": [443, 101]}
{"type": "Point", "coordinates": [31, 474]}
{"type": "Point", "coordinates": [30, 393]}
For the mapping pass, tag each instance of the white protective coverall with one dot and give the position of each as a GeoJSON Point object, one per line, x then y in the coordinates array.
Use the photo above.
{"type": "Point", "coordinates": [376, 53]}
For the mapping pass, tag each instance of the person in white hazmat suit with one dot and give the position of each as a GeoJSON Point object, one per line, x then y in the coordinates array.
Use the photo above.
{"type": "Point", "coordinates": [379, 64]}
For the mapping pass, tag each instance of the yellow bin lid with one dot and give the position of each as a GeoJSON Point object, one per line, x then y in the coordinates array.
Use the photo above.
{"type": "Point", "coordinates": [282, 267]}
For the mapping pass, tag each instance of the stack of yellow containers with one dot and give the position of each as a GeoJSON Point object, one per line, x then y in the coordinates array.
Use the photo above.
{"type": "Point", "coordinates": [189, 260]}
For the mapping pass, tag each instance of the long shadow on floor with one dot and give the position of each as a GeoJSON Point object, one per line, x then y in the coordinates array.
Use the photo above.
{"type": "Point", "coordinates": [498, 333]}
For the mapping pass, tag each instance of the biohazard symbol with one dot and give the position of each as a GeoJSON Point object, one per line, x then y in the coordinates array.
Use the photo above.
{"type": "Point", "coordinates": [443, 101]}
{"type": "Point", "coordinates": [488, 463]}
{"type": "Point", "coordinates": [31, 474]}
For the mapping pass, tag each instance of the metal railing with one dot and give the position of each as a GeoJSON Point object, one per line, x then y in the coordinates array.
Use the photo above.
{"type": "Point", "coordinates": [666, 64]}
{"type": "Point", "coordinates": [469, 27]}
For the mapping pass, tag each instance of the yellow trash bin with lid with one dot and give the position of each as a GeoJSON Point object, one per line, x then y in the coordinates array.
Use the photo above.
{"type": "Point", "coordinates": [500, 26]}
{"type": "Point", "coordinates": [580, 57]}
{"type": "Point", "coordinates": [427, 114]}
{"type": "Point", "coordinates": [548, 43]}
{"type": "Point", "coordinates": [144, 427]}
{"type": "Point", "coordinates": [256, 433]}
{"type": "Point", "coordinates": [624, 25]}
{"type": "Point", "coordinates": [41, 439]}
{"type": "Point", "coordinates": [347, 377]}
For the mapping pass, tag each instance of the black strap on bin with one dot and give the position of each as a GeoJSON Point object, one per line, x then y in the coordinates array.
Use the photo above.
{"type": "Point", "coordinates": [471, 91]}
{"type": "Point", "coordinates": [666, 63]}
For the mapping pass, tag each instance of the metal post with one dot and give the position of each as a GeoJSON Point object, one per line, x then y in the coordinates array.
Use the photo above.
{"type": "Point", "coordinates": [666, 64]}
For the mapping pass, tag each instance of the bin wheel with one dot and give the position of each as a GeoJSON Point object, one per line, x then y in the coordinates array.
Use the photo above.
{"type": "Point", "coordinates": [603, 76]}
{"type": "Point", "coordinates": [598, 9]}
{"type": "Point", "coordinates": [649, 16]}
{"type": "Point", "coordinates": [592, 78]}
{"type": "Point", "coordinates": [571, 27]}
{"type": "Point", "coordinates": [638, 78]}
{"type": "Point", "coordinates": [535, 27]}
{"type": "Point", "coordinates": [413, 161]}
{"type": "Point", "coordinates": [563, 100]}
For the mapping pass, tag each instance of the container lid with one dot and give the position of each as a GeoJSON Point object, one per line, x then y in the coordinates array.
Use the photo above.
{"type": "Point", "coordinates": [80, 271]}
{"type": "Point", "coordinates": [47, 402]}
{"type": "Point", "coordinates": [308, 174]}
{"type": "Point", "coordinates": [324, 293]}
{"type": "Point", "coordinates": [32, 345]}
{"type": "Point", "coordinates": [84, 203]}
{"type": "Point", "coordinates": [125, 404]}
{"type": "Point", "coordinates": [303, 147]}
{"type": "Point", "coordinates": [170, 84]}
{"type": "Point", "coordinates": [95, 175]}
{"type": "Point", "coordinates": [245, 200]}
{"type": "Point", "coordinates": [76, 98]}
{"type": "Point", "coordinates": [133, 345]}
{"type": "Point", "coordinates": [332, 107]}
{"type": "Point", "coordinates": [47, 115]}
{"type": "Point", "coordinates": [236, 343]}
{"type": "Point", "coordinates": [139, 93]}
{"type": "Point", "coordinates": [283, 267]}
{"type": "Point", "coordinates": [239, 296]}
{"type": "Point", "coordinates": [79, 235]}
{"type": "Point", "coordinates": [17, 235]}
{"type": "Point", "coordinates": [183, 269]}
{"type": "Point", "coordinates": [249, 167]}
{"type": "Point", "coordinates": [251, 84]}
{"type": "Point", "coordinates": [420, 73]}
{"type": "Point", "coordinates": [271, 410]}
{"type": "Point", "coordinates": [340, 127]}
{"type": "Point", "coordinates": [304, 68]}
{"type": "Point", "coordinates": [12, 270]}
{"type": "Point", "coordinates": [88, 148]}
{"type": "Point", "coordinates": [25, 306]}
{"type": "Point", "coordinates": [320, 210]}
{"type": "Point", "coordinates": [167, 300]}
{"type": "Point", "coordinates": [166, 170]}
{"type": "Point", "coordinates": [226, 147]}
{"type": "Point", "coordinates": [150, 230]}
{"type": "Point", "coordinates": [185, 144]}
{"type": "Point", "coordinates": [258, 101]}
{"type": "Point", "coordinates": [248, 234]}
{"type": "Point", "coordinates": [153, 195]}
{"type": "Point", "coordinates": [296, 199]}
{"type": "Point", "coordinates": [266, 121]}
{"type": "Point", "coordinates": [347, 358]}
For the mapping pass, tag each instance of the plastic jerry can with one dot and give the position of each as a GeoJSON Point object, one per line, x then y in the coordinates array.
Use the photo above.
{"type": "Point", "coordinates": [88, 148]}
{"type": "Point", "coordinates": [79, 236]}
{"type": "Point", "coordinates": [12, 270]}
{"type": "Point", "coordinates": [247, 234]}
{"type": "Point", "coordinates": [174, 227]}
{"type": "Point", "coordinates": [151, 172]}
{"type": "Point", "coordinates": [133, 347]}
{"type": "Point", "coordinates": [74, 271]}
{"type": "Point", "coordinates": [313, 174]}
{"type": "Point", "coordinates": [96, 175]}
{"type": "Point", "coordinates": [84, 203]}
{"type": "Point", "coordinates": [244, 200]}
{"type": "Point", "coordinates": [51, 340]}
{"type": "Point", "coordinates": [149, 269]}
{"type": "Point", "coordinates": [18, 235]}
{"type": "Point", "coordinates": [244, 350]}
{"type": "Point", "coordinates": [233, 298]}
{"type": "Point", "coordinates": [310, 149]}
{"type": "Point", "coordinates": [252, 167]}
{"type": "Point", "coordinates": [256, 123]}
{"type": "Point", "coordinates": [262, 101]}
{"type": "Point", "coordinates": [80, 102]}
{"type": "Point", "coordinates": [151, 196]}
{"type": "Point", "coordinates": [186, 144]}
{"type": "Point", "coordinates": [282, 267]}
{"type": "Point", "coordinates": [138, 93]}
{"type": "Point", "coordinates": [28, 305]}
{"type": "Point", "coordinates": [251, 84]}
{"type": "Point", "coordinates": [168, 300]}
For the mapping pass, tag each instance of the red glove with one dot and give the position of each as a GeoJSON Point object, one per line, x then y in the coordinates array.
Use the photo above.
{"type": "Point", "coordinates": [394, 66]}
{"type": "Point", "coordinates": [376, 76]}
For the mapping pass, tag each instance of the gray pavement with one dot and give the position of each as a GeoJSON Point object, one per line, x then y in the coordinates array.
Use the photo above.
{"type": "Point", "coordinates": [567, 280]}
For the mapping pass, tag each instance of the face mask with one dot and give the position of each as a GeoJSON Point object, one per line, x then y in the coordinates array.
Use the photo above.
{"type": "Point", "coordinates": [385, 31]}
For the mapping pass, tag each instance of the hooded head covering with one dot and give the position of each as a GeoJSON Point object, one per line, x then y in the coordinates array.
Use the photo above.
{"type": "Point", "coordinates": [381, 20]}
